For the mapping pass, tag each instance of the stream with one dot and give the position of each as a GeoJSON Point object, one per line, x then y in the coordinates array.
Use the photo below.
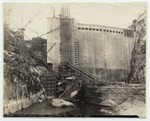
{"type": "Point", "coordinates": [44, 110]}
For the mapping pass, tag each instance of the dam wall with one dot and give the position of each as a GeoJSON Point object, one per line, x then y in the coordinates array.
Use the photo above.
{"type": "Point", "coordinates": [103, 51]}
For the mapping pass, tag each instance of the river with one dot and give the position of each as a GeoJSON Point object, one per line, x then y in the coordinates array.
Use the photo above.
{"type": "Point", "coordinates": [43, 109]}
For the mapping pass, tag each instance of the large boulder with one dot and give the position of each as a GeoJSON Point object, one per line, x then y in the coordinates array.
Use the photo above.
{"type": "Point", "coordinates": [60, 103]}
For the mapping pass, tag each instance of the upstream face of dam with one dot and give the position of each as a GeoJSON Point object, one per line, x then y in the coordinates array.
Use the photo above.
{"type": "Point", "coordinates": [103, 51]}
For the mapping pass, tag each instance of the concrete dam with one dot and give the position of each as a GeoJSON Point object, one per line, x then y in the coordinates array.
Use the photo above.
{"type": "Point", "coordinates": [103, 51]}
{"type": "Point", "coordinates": [79, 70]}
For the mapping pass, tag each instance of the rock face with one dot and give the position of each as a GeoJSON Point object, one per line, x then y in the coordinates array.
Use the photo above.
{"type": "Point", "coordinates": [138, 61]}
{"type": "Point", "coordinates": [21, 85]}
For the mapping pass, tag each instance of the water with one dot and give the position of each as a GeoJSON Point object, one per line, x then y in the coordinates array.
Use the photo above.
{"type": "Point", "coordinates": [86, 110]}
{"type": "Point", "coordinates": [43, 109]}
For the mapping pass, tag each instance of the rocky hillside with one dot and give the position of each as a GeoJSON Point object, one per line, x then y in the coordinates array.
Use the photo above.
{"type": "Point", "coordinates": [138, 61]}
{"type": "Point", "coordinates": [17, 70]}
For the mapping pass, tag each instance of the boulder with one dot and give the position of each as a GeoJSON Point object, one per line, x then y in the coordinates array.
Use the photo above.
{"type": "Point", "coordinates": [57, 102]}
{"type": "Point", "coordinates": [109, 103]}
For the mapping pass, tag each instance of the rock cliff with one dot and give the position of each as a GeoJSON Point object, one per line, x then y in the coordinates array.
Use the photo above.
{"type": "Point", "coordinates": [138, 61]}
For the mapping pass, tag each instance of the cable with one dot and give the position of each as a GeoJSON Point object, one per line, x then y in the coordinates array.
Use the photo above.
{"type": "Point", "coordinates": [55, 29]}
{"type": "Point", "coordinates": [34, 31]}
{"type": "Point", "coordinates": [36, 15]}
{"type": "Point", "coordinates": [20, 30]}
{"type": "Point", "coordinates": [51, 59]}
{"type": "Point", "coordinates": [51, 47]}
{"type": "Point", "coordinates": [50, 31]}
{"type": "Point", "coordinates": [30, 39]}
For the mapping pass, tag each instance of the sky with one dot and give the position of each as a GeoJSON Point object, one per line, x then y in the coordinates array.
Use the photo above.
{"type": "Point", "coordinates": [108, 14]}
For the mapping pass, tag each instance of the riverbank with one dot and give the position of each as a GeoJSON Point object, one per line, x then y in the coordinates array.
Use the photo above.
{"type": "Point", "coordinates": [129, 108]}
{"type": "Point", "coordinates": [81, 109]}
{"type": "Point", "coordinates": [13, 106]}
{"type": "Point", "coordinates": [45, 110]}
{"type": "Point", "coordinates": [132, 107]}
{"type": "Point", "coordinates": [135, 104]}
{"type": "Point", "coordinates": [42, 109]}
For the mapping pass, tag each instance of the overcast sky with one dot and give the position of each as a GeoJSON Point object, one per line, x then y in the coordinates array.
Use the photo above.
{"type": "Point", "coordinates": [109, 14]}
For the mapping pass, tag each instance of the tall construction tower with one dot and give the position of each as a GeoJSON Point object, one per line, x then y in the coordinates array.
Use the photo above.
{"type": "Point", "coordinates": [59, 40]}
{"type": "Point", "coordinates": [65, 11]}
{"type": "Point", "coordinates": [66, 27]}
